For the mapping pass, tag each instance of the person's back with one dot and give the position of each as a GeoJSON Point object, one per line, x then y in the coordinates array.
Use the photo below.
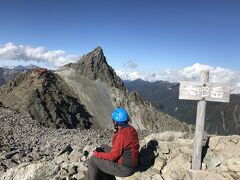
{"type": "Point", "coordinates": [122, 158]}
{"type": "Point", "coordinates": [129, 157]}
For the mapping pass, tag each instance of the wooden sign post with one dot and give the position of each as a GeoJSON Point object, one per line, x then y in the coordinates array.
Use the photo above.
{"type": "Point", "coordinates": [202, 91]}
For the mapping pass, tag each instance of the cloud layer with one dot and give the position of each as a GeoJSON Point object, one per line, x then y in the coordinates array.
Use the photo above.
{"type": "Point", "coordinates": [58, 58]}
{"type": "Point", "coordinates": [14, 52]}
{"type": "Point", "coordinates": [191, 73]}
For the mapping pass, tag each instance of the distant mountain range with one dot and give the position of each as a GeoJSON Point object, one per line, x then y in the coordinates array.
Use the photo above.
{"type": "Point", "coordinates": [221, 118]}
{"type": "Point", "coordinates": [10, 72]}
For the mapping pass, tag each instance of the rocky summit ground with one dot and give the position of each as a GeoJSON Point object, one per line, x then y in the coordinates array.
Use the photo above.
{"type": "Point", "coordinates": [30, 151]}
{"type": "Point", "coordinates": [24, 140]}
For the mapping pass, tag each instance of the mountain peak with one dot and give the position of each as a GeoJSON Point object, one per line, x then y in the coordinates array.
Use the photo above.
{"type": "Point", "coordinates": [95, 56]}
{"type": "Point", "coordinates": [98, 49]}
{"type": "Point", "coordinates": [94, 66]}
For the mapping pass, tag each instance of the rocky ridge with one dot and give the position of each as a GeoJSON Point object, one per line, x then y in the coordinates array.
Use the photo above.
{"type": "Point", "coordinates": [47, 98]}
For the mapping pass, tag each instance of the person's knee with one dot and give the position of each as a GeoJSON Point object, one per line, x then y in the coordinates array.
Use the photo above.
{"type": "Point", "coordinates": [91, 161]}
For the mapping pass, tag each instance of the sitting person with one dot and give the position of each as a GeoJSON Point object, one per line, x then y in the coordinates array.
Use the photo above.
{"type": "Point", "coordinates": [122, 158]}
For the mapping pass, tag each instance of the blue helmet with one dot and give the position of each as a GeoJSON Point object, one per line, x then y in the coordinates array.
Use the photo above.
{"type": "Point", "coordinates": [120, 115]}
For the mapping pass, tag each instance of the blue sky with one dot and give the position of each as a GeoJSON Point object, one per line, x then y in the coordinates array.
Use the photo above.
{"type": "Point", "coordinates": [154, 35]}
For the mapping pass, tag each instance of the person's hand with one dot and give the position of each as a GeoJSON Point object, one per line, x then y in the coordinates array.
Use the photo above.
{"type": "Point", "coordinates": [95, 153]}
{"type": "Point", "coordinates": [99, 149]}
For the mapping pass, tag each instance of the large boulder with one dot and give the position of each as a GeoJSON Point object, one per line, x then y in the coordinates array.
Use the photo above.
{"type": "Point", "coordinates": [223, 155]}
{"type": "Point", "coordinates": [39, 170]}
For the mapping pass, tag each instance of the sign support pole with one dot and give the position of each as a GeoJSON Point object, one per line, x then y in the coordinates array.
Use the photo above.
{"type": "Point", "coordinates": [200, 121]}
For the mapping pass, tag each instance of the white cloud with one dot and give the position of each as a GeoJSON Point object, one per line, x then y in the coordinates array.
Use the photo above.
{"type": "Point", "coordinates": [129, 75]}
{"type": "Point", "coordinates": [14, 52]}
{"type": "Point", "coordinates": [191, 73]}
{"type": "Point", "coordinates": [130, 64]}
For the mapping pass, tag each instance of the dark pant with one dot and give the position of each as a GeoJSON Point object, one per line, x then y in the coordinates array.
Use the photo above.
{"type": "Point", "coordinates": [105, 169]}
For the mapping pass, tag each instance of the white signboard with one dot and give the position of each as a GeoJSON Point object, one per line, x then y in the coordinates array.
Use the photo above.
{"type": "Point", "coordinates": [210, 91]}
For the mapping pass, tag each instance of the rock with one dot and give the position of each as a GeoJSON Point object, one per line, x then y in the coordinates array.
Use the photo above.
{"type": "Point", "coordinates": [225, 145]}
{"type": "Point", "coordinates": [35, 154]}
{"type": "Point", "coordinates": [56, 169]}
{"type": "Point", "coordinates": [159, 164]}
{"type": "Point", "coordinates": [80, 176]}
{"type": "Point", "coordinates": [235, 139]}
{"type": "Point", "coordinates": [60, 159]}
{"type": "Point", "coordinates": [136, 176]}
{"type": "Point", "coordinates": [75, 156]}
{"type": "Point", "coordinates": [223, 155]}
{"type": "Point", "coordinates": [84, 158]}
{"type": "Point", "coordinates": [223, 168]}
{"type": "Point", "coordinates": [9, 155]}
{"type": "Point", "coordinates": [18, 156]}
{"type": "Point", "coordinates": [234, 165]}
{"type": "Point", "coordinates": [180, 142]}
{"type": "Point", "coordinates": [164, 149]}
{"type": "Point", "coordinates": [176, 168]}
{"type": "Point", "coordinates": [213, 162]}
{"type": "Point", "coordinates": [186, 150]}
{"type": "Point", "coordinates": [72, 169]}
{"type": "Point", "coordinates": [64, 169]}
{"type": "Point", "coordinates": [68, 149]}
{"type": "Point", "coordinates": [166, 136]}
{"type": "Point", "coordinates": [204, 167]}
{"type": "Point", "coordinates": [157, 177]}
{"type": "Point", "coordinates": [63, 173]}
{"type": "Point", "coordinates": [203, 175]}
{"type": "Point", "coordinates": [40, 170]}
{"type": "Point", "coordinates": [226, 175]}
{"type": "Point", "coordinates": [81, 168]}
{"type": "Point", "coordinates": [3, 167]}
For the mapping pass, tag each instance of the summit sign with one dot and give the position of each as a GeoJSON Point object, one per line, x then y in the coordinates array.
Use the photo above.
{"type": "Point", "coordinates": [202, 91]}
{"type": "Point", "coordinates": [216, 92]}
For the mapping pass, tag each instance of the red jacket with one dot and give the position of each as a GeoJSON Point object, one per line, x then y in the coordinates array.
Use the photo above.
{"type": "Point", "coordinates": [125, 145]}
